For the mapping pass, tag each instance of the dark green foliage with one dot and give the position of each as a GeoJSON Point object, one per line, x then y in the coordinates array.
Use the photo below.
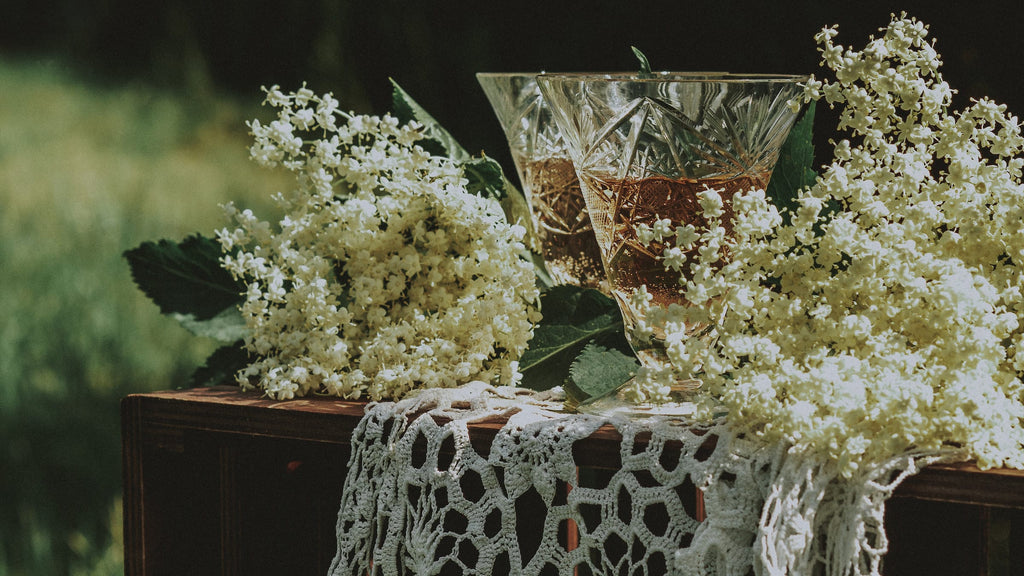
{"type": "Point", "coordinates": [485, 178]}
{"type": "Point", "coordinates": [795, 168]}
{"type": "Point", "coordinates": [187, 281]}
{"type": "Point", "coordinates": [221, 366]}
{"type": "Point", "coordinates": [573, 318]}
{"type": "Point", "coordinates": [185, 277]}
{"type": "Point", "coordinates": [598, 371]}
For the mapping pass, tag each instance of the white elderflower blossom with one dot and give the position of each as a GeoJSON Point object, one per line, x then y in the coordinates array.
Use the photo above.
{"type": "Point", "coordinates": [885, 314]}
{"type": "Point", "coordinates": [384, 274]}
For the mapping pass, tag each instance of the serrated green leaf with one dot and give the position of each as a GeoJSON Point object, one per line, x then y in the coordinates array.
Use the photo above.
{"type": "Point", "coordinates": [598, 370]}
{"type": "Point", "coordinates": [567, 304]}
{"type": "Point", "coordinates": [227, 326]}
{"type": "Point", "coordinates": [438, 140]}
{"type": "Point", "coordinates": [186, 277]}
{"type": "Point", "coordinates": [795, 168]}
{"type": "Point", "coordinates": [573, 318]}
{"type": "Point", "coordinates": [221, 366]}
{"type": "Point", "coordinates": [485, 178]}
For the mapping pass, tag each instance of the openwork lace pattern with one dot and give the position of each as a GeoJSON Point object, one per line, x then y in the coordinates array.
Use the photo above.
{"type": "Point", "coordinates": [423, 497]}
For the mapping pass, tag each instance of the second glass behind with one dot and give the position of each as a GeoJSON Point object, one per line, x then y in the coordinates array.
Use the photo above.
{"type": "Point", "coordinates": [546, 172]}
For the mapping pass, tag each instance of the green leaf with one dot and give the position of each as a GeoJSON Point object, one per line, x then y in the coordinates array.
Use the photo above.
{"type": "Point", "coordinates": [598, 371]}
{"type": "Point", "coordinates": [221, 366]}
{"type": "Point", "coordinates": [227, 326]}
{"type": "Point", "coordinates": [645, 64]}
{"type": "Point", "coordinates": [185, 278]}
{"type": "Point", "coordinates": [573, 318]}
{"type": "Point", "coordinates": [795, 168]}
{"type": "Point", "coordinates": [438, 140]}
{"type": "Point", "coordinates": [485, 178]}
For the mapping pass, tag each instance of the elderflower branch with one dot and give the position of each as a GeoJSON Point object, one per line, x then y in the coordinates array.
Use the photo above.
{"type": "Point", "coordinates": [885, 314]}
{"type": "Point", "coordinates": [384, 274]}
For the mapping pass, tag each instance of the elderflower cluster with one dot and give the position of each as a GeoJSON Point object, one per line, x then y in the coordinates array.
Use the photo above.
{"type": "Point", "coordinates": [884, 313]}
{"type": "Point", "coordinates": [384, 274]}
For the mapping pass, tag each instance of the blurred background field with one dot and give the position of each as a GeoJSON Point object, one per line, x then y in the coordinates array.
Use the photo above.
{"type": "Point", "coordinates": [123, 121]}
{"type": "Point", "coordinates": [86, 172]}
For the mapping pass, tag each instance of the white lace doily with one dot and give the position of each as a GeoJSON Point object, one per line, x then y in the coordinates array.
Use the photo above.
{"type": "Point", "coordinates": [420, 499]}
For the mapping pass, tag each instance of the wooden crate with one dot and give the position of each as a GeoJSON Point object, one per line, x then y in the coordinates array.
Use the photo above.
{"type": "Point", "coordinates": [217, 481]}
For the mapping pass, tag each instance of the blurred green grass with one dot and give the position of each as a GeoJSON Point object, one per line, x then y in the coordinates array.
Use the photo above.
{"type": "Point", "coordinates": [86, 172]}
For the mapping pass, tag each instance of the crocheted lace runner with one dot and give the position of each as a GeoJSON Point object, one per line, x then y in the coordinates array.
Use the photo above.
{"type": "Point", "coordinates": [420, 499]}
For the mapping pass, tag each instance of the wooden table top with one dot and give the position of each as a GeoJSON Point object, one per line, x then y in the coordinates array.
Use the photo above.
{"type": "Point", "coordinates": [226, 409]}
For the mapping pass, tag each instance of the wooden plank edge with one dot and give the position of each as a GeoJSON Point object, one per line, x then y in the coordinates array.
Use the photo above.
{"type": "Point", "coordinates": [965, 483]}
{"type": "Point", "coordinates": [133, 511]}
{"type": "Point", "coordinates": [226, 409]}
{"type": "Point", "coordinates": [239, 413]}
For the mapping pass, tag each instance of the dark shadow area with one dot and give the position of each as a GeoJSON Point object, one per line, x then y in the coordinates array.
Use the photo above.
{"type": "Point", "coordinates": [434, 48]}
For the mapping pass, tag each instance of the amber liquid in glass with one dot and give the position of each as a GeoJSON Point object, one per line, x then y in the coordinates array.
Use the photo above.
{"type": "Point", "coordinates": [568, 245]}
{"type": "Point", "coordinates": [617, 207]}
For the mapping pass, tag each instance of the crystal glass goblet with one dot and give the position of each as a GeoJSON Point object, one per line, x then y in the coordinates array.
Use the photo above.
{"type": "Point", "coordinates": [549, 181]}
{"type": "Point", "coordinates": [644, 146]}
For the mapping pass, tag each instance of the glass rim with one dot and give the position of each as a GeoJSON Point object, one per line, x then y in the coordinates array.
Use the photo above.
{"type": "Point", "coordinates": [661, 76]}
{"type": "Point", "coordinates": [506, 74]}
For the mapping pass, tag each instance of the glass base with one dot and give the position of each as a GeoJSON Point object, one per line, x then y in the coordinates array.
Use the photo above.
{"type": "Point", "coordinates": [615, 405]}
